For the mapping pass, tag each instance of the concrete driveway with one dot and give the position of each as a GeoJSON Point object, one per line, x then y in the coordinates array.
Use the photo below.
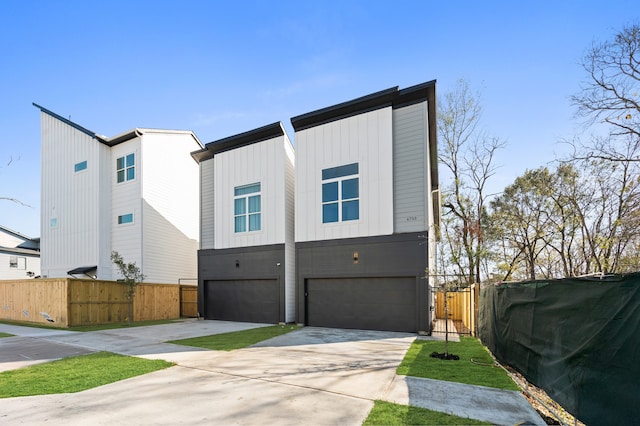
{"type": "Point", "coordinates": [311, 376]}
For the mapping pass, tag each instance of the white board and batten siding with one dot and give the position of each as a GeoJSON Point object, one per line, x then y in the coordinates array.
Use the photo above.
{"type": "Point", "coordinates": [126, 199]}
{"type": "Point", "coordinates": [411, 194]}
{"type": "Point", "coordinates": [365, 139]}
{"type": "Point", "coordinates": [262, 162]}
{"type": "Point", "coordinates": [170, 205]}
{"type": "Point", "coordinates": [72, 204]}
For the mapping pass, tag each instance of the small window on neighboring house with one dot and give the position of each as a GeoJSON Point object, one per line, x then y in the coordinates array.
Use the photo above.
{"type": "Point", "coordinates": [78, 167]}
{"type": "Point", "coordinates": [53, 222]}
{"type": "Point", "coordinates": [17, 262]}
{"type": "Point", "coordinates": [125, 218]}
{"type": "Point", "coordinates": [247, 208]}
{"type": "Point", "coordinates": [126, 168]}
{"type": "Point", "coordinates": [341, 193]}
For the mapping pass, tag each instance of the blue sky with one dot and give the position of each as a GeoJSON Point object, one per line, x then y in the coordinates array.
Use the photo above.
{"type": "Point", "coordinates": [220, 68]}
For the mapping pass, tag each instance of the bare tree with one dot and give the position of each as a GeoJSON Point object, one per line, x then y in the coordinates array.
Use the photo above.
{"type": "Point", "coordinates": [11, 199]}
{"type": "Point", "coordinates": [468, 153]}
{"type": "Point", "coordinates": [611, 95]}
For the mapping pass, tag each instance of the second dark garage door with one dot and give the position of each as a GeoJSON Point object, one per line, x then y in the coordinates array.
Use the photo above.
{"type": "Point", "coordinates": [242, 300]}
{"type": "Point", "coordinates": [363, 303]}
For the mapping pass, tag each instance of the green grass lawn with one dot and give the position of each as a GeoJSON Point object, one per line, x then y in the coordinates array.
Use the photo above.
{"type": "Point", "coordinates": [387, 413]}
{"type": "Point", "coordinates": [236, 339]}
{"type": "Point", "coordinates": [97, 327]}
{"type": "Point", "coordinates": [5, 335]}
{"type": "Point", "coordinates": [418, 362]}
{"type": "Point", "coordinates": [75, 374]}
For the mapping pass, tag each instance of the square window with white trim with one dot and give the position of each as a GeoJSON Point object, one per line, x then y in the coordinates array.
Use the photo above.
{"type": "Point", "coordinates": [341, 193]}
{"type": "Point", "coordinates": [126, 168]}
{"type": "Point", "coordinates": [247, 209]}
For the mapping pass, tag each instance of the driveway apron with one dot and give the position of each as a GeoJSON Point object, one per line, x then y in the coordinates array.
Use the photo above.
{"type": "Point", "coordinates": [309, 376]}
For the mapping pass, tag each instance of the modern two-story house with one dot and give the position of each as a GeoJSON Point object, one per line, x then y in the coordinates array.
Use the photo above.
{"type": "Point", "coordinates": [246, 261]}
{"type": "Point", "coordinates": [134, 193]}
{"type": "Point", "coordinates": [366, 209]}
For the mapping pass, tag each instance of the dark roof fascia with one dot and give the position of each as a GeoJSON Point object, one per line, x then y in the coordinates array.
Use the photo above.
{"type": "Point", "coordinates": [66, 121]}
{"type": "Point", "coordinates": [120, 139]}
{"type": "Point", "coordinates": [415, 94]}
{"type": "Point", "coordinates": [106, 141]}
{"type": "Point", "coordinates": [260, 134]}
{"type": "Point", "coordinates": [368, 103]}
{"type": "Point", "coordinates": [82, 270]}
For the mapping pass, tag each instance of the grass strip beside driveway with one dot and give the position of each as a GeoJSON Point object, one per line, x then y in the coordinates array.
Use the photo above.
{"type": "Point", "coordinates": [481, 371]}
{"type": "Point", "coordinates": [236, 339]}
{"type": "Point", "coordinates": [75, 374]}
{"type": "Point", "coordinates": [387, 413]}
{"type": "Point", "coordinates": [5, 335]}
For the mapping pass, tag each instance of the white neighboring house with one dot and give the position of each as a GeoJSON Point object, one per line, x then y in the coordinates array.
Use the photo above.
{"type": "Point", "coordinates": [135, 193]}
{"type": "Point", "coordinates": [247, 251]}
{"type": "Point", "coordinates": [19, 255]}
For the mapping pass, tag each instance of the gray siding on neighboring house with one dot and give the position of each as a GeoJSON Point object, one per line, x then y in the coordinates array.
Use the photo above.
{"type": "Point", "coordinates": [207, 205]}
{"type": "Point", "coordinates": [410, 179]}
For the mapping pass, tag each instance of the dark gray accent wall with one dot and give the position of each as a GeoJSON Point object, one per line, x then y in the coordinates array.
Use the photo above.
{"type": "Point", "coordinates": [391, 256]}
{"type": "Point", "coordinates": [241, 264]}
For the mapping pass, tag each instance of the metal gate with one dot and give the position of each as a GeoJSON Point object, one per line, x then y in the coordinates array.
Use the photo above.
{"type": "Point", "coordinates": [456, 310]}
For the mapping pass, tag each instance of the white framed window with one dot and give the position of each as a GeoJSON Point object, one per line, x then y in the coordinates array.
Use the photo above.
{"type": "Point", "coordinates": [126, 168]}
{"type": "Point", "coordinates": [78, 167]}
{"type": "Point", "coordinates": [16, 262]}
{"type": "Point", "coordinates": [341, 193]}
{"type": "Point", "coordinates": [125, 218]}
{"type": "Point", "coordinates": [247, 209]}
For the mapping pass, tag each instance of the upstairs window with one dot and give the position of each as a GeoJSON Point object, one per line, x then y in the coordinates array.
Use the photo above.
{"type": "Point", "coordinates": [341, 193]}
{"type": "Point", "coordinates": [78, 167]}
{"type": "Point", "coordinates": [247, 208]}
{"type": "Point", "coordinates": [125, 218]}
{"type": "Point", "coordinates": [126, 168]}
{"type": "Point", "coordinates": [17, 262]}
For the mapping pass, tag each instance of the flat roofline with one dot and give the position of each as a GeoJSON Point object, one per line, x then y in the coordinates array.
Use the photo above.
{"type": "Point", "coordinates": [250, 137]}
{"type": "Point", "coordinates": [374, 101]}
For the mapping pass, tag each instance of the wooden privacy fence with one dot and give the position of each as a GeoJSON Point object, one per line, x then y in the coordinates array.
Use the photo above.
{"type": "Point", "coordinates": [189, 301]}
{"type": "Point", "coordinates": [66, 302]}
{"type": "Point", "coordinates": [463, 308]}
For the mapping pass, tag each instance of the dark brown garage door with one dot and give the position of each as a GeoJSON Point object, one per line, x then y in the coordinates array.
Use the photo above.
{"type": "Point", "coordinates": [363, 303]}
{"type": "Point", "coordinates": [242, 300]}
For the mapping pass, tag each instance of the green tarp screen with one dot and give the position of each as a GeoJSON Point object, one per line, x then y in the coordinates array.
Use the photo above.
{"type": "Point", "coordinates": [578, 339]}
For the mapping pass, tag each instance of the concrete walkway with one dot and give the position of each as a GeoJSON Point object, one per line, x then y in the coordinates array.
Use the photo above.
{"type": "Point", "coordinates": [310, 376]}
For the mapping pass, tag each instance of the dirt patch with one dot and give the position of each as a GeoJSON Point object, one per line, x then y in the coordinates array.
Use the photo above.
{"type": "Point", "coordinates": [445, 356]}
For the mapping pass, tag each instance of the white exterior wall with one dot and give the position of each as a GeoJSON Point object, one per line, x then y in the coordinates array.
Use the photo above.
{"type": "Point", "coordinates": [207, 205]}
{"type": "Point", "coordinates": [169, 206]}
{"type": "Point", "coordinates": [71, 197]}
{"type": "Point", "coordinates": [31, 264]}
{"type": "Point", "coordinates": [126, 239]}
{"type": "Point", "coordinates": [289, 248]}
{"type": "Point", "coordinates": [365, 139]}
{"type": "Point", "coordinates": [262, 162]}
